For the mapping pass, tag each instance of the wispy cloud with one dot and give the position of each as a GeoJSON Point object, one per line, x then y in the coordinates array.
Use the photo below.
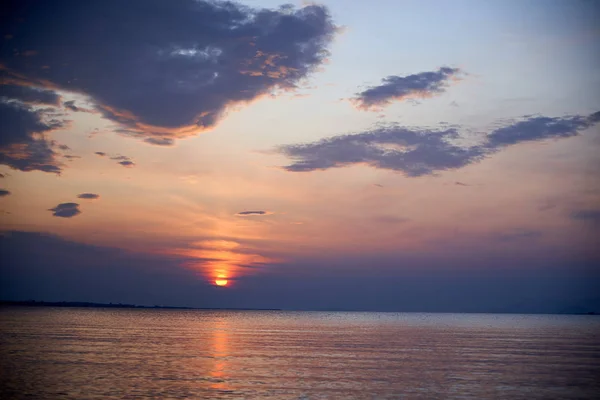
{"type": "Point", "coordinates": [418, 152]}
{"type": "Point", "coordinates": [172, 77]}
{"type": "Point", "coordinates": [400, 88]}
{"type": "Point", "coordinates": [29, 95]}
{"type": "Point", "coordinates": [253, 213]}
{"type": "Point", "coordinates": [160, 141]}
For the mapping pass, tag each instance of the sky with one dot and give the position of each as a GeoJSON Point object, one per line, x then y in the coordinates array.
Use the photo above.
{"type": "Point", "coordinates": [387, 155]}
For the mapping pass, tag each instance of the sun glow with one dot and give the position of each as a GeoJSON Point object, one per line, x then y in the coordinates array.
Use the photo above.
{"type": "Point", "coordinates": [221, 282]}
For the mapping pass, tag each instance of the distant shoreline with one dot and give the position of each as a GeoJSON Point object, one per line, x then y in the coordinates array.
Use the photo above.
{"type": "Point", "coordinates": [85, 304]}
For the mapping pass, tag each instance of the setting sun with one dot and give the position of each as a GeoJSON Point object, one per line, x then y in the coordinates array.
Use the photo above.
{"type": "Point", "coordinates": [221, 282]}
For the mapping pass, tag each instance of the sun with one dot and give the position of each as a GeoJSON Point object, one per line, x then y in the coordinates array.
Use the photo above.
{"type": "Point", "coordinates": [221, 282]}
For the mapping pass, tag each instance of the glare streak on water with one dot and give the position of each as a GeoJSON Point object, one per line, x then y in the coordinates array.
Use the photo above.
{"type": "Point", "coordinates": [68, 353]}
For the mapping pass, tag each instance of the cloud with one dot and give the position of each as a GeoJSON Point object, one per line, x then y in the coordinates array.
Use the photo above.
{"type": "Point", "coordinates": [30, 95]}
{"type": "Point", "coordinates": [100, 153]}
{"type": "Point", "coordinates": [65, 210]}
{"type": "Point", "coordinates": [412, 151]}
{"type": "Point", "coordinates": [70, 105]}
{"type": "Point", "coordinates": [91, 196]}
{"type": "Point", "coordinates": [417, 152]}
{"type": "Point", "coordinates": [171, 69]}
{"type": "Point", "coordinates": [123, 160]}
{"type": "Point", "coordinates": [23, 144]}
{"type": "Point", "coordinates": [588, 215]}
{"type": "Point", "coordinates": [4, 192]}
{"type": "Point", "coordinates": [400, 88]}
{"type": "Point", "coordinates": [539, 128]}
{"type": "Point", "coordinates": [160, 141]}
{"type": "Point", "coordinates": [253, 213]}
{"type": "Point", "coordinates": [461, 184]}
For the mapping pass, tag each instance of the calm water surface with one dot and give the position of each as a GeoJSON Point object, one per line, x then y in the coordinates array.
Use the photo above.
{"type": "Point", "coordinates": [62, 353]}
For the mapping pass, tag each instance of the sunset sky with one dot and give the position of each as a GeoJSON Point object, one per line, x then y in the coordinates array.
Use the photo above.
{"type": "Point", "coordinates": [385, 155]}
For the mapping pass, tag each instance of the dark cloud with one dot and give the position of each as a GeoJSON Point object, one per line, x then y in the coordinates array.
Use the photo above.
{"type": "Point", "coordinates": [417, 152]}
{"type": "Point", "coordinates": [4, 192]}
{"type": "Point", "coordinates": [421, 85]}
{"type": "Point", "coordinates": [65, 210]}
{"type": "Point", "coordinates": [164, 69]}
{"type": "Point", "coordinates": [589, 215]}
{"type": "Point", "coordinates": [414, 152]}
{"type": "Point", "coordinates": [70, 157]}
{"type": "Point", "coordinates": [160, 141]}
{"type": "Point", "coordinates": [461, 184]}
{"type": "Point", "coordinates": [123, 160]}
{"type": "Point", "coordinates": [70, 105]}
{"type": "Point", "coordinates": [594, 118]}
{"type": "Point", "coordinates": [91, 196]}
{"type": "Point", "coordinates": [23, 145]}
{"type": "Point", "coordinates": [100, 153]}
{"type": "Point", "coordinates": [252, 213]}
{"type": "Point", "coordinates": [28, 94]}
{"type": "Point", "coordinates": [539, 128]}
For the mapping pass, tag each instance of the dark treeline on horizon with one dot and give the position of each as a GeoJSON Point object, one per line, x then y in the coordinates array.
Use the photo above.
{"type": "Point", "coordinates": [86, 304]}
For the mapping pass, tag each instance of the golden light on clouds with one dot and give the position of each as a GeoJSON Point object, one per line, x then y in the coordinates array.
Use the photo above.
{"type": "Point", "coordinates": [221, 260]}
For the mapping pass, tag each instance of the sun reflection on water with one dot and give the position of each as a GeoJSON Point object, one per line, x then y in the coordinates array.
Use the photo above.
{"type": "Point", "coordinates": [220, 354]}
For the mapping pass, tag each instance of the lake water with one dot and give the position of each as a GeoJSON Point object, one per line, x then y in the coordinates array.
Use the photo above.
{"type": "Point", "coordinates": [67, 353]}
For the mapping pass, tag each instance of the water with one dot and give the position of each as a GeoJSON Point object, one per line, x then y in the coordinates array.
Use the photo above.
{"type": "Point", "coordinates": [62, 353]}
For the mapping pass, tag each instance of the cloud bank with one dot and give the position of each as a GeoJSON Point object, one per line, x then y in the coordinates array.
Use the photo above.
{"type": "Point", "coordinates": [418, 152]}
{"type": "Point", "coordinates": [170, 69]}
{"type": "Point", "coordinates": [400, 88]}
